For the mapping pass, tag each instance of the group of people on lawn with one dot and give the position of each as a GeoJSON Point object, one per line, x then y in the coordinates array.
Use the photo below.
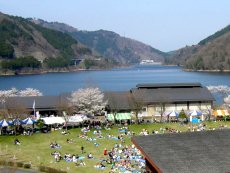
{"type": "Point", "coordinates": [121, 157]}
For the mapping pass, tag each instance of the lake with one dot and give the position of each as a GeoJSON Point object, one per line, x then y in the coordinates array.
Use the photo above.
{"type": "Point", "coordinates": [111, 80]}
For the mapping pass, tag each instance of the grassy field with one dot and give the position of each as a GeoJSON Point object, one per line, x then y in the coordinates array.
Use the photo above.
{"type": "Point", "coordinates": [35, 149]}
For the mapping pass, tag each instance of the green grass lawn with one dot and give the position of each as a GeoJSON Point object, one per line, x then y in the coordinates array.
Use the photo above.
{"type": "Point", "coordinates": [35, 149]}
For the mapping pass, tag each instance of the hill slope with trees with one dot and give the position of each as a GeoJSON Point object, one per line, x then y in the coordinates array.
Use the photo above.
{"type": "Point", "coordinates": [211, 53]}
{"type": "Point", "coordinates": [122, 50]}
{"type": "Point", "coordinates": [21, 38]}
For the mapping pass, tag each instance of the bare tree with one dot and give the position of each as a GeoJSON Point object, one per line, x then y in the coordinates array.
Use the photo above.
{"type": "Point", "coordinates": [64, 109]}
{"type": "Point", "coordinates": [113, 106]}
{"type": "Point", "coordinates": [17, 112]}
{"type": "Point", "coordinates": [163, 100]}
{"type": "Point", "coordinates": [138, 104]}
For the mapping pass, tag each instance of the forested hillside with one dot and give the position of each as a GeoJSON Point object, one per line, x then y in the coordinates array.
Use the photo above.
{"type": "Point", "coordinates": [23, 42]}
{"type": "Point", "coordinates": [123, 51]}
{"type": "Point", "coordinates": [212, 53]}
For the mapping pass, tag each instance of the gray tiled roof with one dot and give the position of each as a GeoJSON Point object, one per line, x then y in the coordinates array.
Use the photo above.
{"type": "Point", "coordinates": [179, 92]}
{"type": "Point", "coordinates": [168, 85]}
{"type": "Point", "coordinates": [119, 101]}
{"type": "Point", "coordinates": [41, 102]}
{"type": "Point", "coordinates": [200, 152]}
{"type": "Point", "coordinates": [172, 94]}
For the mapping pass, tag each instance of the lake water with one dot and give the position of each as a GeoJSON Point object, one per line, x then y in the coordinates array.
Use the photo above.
{"type": "Point", "coordinates": [111, 80]}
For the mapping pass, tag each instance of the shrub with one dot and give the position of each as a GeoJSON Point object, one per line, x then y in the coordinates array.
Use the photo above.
{"type": "Point", "coordinates": [11, 164]}
{"type": "Point", "coordinates": [3, 162]}
{"type": "Point", "coordinates": [20, 164]}
{"type": "Point", "coordinates": [27, 165]}
{"type": "Point", "coordinates": [42, 168]}
{"type": "Point", "coordinates": [50, 170]}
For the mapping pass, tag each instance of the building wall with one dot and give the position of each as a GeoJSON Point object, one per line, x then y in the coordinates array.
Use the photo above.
{"type": "Point", "coordinates": [151, 110]}
{"type": "Point", "coordinates": [156, 109]}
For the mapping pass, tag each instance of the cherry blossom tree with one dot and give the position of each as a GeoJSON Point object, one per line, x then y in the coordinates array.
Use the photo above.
{"type": "Point", "coordinates": [29, 92]}
{"type": "Point", "coordinates": [88, 101]}
{"type": "Point", "coordinates": [227, 99]}
{"type": "Point", "coordinates": [13, 92]}
{"type": "Point", "coordinates": [223, 90]}
{"type": "Point", "coordinates": [4, 94]}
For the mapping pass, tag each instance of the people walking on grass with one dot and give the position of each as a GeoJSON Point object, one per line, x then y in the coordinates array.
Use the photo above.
{"type": "Point", "coordinates": [105, 152]}
{"type": "Point", "coordinates": [82, 149]}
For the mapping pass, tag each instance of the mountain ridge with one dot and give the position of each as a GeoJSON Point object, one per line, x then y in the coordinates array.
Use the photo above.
{"type": "Point", "coordinates": [210, 54]}
{"type": "Point", "coordinates": [109, 44]}
{"type": "Point", "coordinates": [43, 48]}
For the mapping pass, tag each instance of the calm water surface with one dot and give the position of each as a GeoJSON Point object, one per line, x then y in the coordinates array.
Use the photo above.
{"type": "Point", "coordinates": [111, 80]}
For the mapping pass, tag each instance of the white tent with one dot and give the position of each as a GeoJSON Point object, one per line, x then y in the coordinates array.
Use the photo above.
{"type": "Point", "coordinates": [195, 113]}
{"type": "Point", "coordinates": [53, 120]}
{"type": "Point", "coordinates": [171, 114]}
{"type": "Point", "coordinates": [77, 118]}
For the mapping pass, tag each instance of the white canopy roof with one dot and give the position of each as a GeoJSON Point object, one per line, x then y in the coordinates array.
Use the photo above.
{"type": "Point", "coordinates": [53, 120]}
{"type": "Point", "coordinates": [77, 118]}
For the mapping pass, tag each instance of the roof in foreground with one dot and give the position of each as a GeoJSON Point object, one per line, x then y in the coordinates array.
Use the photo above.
{"type": "Point", "coordinates": [199, 152]}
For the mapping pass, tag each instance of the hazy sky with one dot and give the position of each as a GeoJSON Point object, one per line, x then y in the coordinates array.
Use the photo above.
{"type": "Point", "coordinates": [164, 24]}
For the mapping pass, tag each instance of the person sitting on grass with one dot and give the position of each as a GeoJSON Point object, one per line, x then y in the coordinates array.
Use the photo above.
{"type": "Point", "coordinates": [96, 144]}
{"type": "Point", "coordinates": [54, 145]}
{"type": "Point", "coordinates": [90, 156]}
{"type": "Point", "coordinates": [69, 141]}
{"type": "Point", "coordinates": [74, 159]}
{"type": "Point", "coordinates": [57, 156]}
{"type": "Point", "coordinates": [65, 132]}
{"type": "Point", "coordinates": [82, 163]}
{"type": "Point", "coordinates": [17, 142]}
{"type": "Point", "coordinates": [100, 166]}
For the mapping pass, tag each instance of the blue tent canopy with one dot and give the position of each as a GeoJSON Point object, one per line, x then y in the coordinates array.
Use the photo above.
{"type": "Point", "coordinates": [195, 113]}
{"type": "Point", "coordinates": [28, 121]}
{"type": "Point", "coordinates": [4, 123]}
{"type": "Point", "coordinates": [16, 122]}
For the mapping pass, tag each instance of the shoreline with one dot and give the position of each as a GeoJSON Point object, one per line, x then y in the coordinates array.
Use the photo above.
{"type": "Point", "coordinates": [40, 72]}
{"type": "Point", "coordinates": [213, 71]}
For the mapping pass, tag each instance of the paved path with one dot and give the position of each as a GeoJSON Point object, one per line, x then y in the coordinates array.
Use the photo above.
{"type": "Point", "coordinates": [14, 170]}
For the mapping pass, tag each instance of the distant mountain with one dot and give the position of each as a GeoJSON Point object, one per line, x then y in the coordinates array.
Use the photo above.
{"type": "Point", "coordinates": [123, 50]}
{"type": "Point", "coordinates": [212, 53]}
{"type": "Point", "coordinates": [20, 37]}
{"type": "Point", "coordinates": [53, 25]}
{"type": "Point", "coordinates": [26, 44]}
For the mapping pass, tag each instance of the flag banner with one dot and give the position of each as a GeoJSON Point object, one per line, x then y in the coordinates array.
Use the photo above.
{"type": "Point", "coordinates": [34, 105]}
